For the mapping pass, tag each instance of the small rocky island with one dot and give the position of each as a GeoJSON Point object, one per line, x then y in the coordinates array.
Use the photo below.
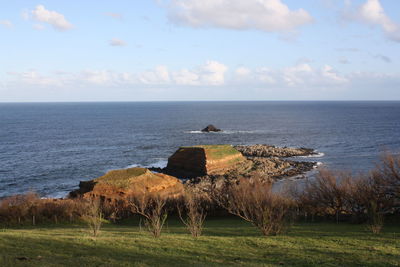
{"type": "Point", "coordinates": [203, 167]}
{"type": "Point", "coordinates": [211, 128]}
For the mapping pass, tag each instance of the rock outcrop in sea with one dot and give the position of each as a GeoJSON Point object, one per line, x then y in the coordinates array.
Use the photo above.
{"type": "Point", "coordinates": [197, 161]}
{"type": "Point", "coordinates": [211, 128]}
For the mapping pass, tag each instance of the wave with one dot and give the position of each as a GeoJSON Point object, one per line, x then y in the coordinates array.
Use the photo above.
{"type": "Point", "coordinates": [319, 163]}
{"type": "Point", "coordinates": [317, 155]}
{"type": "Point", "coordinates": [162, 163]}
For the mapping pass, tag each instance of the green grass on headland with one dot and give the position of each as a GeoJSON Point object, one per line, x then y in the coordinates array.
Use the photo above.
{"type": "Point", "coordinates": [121, 178]}
{"type": "Point", "coordinates": [215, 152]}
{"type": "Point", "coordinates": [226, 241]}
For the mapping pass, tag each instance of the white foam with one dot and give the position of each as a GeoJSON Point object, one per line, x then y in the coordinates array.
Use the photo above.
{"type": "Point", "coordinates": [158, 164]}
{"type": "Point", "coordinates": [162, 163]}
{"type": "Point", "coordinates": [131, 166]}
{"type": "Point", "coordinates": [318, 155]}
{"type": "Point", "coordinates": [319, 163]}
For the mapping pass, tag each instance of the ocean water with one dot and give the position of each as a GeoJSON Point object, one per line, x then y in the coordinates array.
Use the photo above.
{"type": "Point", "coordinates": [50, 147]}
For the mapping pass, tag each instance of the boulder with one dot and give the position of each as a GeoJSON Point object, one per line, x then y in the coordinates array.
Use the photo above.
{"type": "Point", "coordinates": [119, 184]}
{"type": "Point", "coordinates": [211, 128]}
{"type": "Point", "coordinates": [195, 161]}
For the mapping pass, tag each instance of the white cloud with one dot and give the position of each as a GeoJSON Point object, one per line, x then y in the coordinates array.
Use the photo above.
{"type": "Point", "coordinates": [160, 75]}
{"type": "Point", "coordinates": [39, 27]}
{"type": "Point", "coordinates": [344, 60]}
{"type": "Point", "coordinates": [34, 78]}
{"type": "Point", "coordinates": [242, 71]}
{"type": "Point", "coordinates": [57, 20]}
{"type": "Point", "coordinates": [372, 13]}
{"type": "Point", "coordinates": [302, 77]}
{"type": "Point", "coordinates": [212, 73]}
{"type": "Point", "coordinates": [6, 23]}
{"type": "Point", "coordinates": [117, 42]}
{"type": "Point", "coordinates": [264, 15]}
{"type": "Point", "coordinates": [114, 15]}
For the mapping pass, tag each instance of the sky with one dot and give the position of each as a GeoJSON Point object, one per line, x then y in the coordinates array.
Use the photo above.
{"type": "Point", "coordinates": [177, 50]}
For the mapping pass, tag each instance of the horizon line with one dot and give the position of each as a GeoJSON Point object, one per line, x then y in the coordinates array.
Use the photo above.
{"type": "Point", "coordinates": [152, 101]}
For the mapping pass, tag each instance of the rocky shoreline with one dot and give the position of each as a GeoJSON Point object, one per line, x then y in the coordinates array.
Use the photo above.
{"type": "Point", "coordinates": [273, 151]}
{"type": "Point", "coordinates": [204, 168]}
{"type": "Point", "coordinates": [270, 163]}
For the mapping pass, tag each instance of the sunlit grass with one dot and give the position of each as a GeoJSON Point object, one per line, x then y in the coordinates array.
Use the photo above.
{"type": "Point", "coordinates": [226, 241]}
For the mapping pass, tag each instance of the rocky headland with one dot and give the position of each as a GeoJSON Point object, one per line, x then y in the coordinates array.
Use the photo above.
{"type": "Point", "coordinates": [119, 184]}
{"type": "Point", "coordinates": [202, 167]}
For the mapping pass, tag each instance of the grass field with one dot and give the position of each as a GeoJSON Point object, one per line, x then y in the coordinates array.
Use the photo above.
{"type": "Point", "coordinates": [226, 241]}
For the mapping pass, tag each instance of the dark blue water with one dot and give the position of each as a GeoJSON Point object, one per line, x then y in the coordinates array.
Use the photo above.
{"type": "Point", "coordinates": [49, 148]}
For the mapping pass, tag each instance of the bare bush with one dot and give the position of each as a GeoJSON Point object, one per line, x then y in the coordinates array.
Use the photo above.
{"type": "Point", "coordinates": [375, 216]}
{"type": "Point", "coordinates": [19, 208]}
{"type": "Point", "coordinates": [254, 201]}
{"type": "Point", "coordinates": [152, 207]}
{"type": "Point", "coordinates": [388, 174]}
{"type": "Point", "coordinates": [363, 197]}
{"type": "Point", "coordinates": [327, 193]}
{"type": "Point", "coordinates": [94, 216]}
{"type": "Point", "coordinates": [192, 204]}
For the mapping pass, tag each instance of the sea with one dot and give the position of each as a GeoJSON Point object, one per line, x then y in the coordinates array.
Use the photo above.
{"type": "Point", "coordinates": [49, 147]}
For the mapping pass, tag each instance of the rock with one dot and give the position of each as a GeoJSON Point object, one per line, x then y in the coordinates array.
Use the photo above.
{"type": "Point", "coordinates": [272, 151]}
{"type": "Point", "coordinates": [119, 184]}
{"type": "Point", "coordinates": [196, 161]}
{"type": "Point", "coordinates": [211, 128]}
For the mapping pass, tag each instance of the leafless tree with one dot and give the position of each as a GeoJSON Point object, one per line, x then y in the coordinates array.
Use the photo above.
{"type": "Point", "coordinates": [327, 193]}
{"type": "Point", "coordinates": [152, 207]}
{"type": "Point", "coordinates": [94, 216]}
{"type": "Point", "coordinates": [192, 204]}
{"type": "Point", "coordinates": [254, 201]}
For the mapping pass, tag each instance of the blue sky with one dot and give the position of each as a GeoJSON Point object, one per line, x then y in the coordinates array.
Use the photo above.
{"type": "Point", "coordinates": [199, 50]}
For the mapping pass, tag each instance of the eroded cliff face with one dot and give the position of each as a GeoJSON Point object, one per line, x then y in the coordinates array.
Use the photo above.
{"type": "Point", "coordinates": [203, 160]}
{"type": "Point", "coordinates": [120, 184]}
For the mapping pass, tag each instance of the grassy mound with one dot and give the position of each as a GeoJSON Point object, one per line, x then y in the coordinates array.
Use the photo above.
{"type": "Point", "coordinates": [217, 152]}
{"type": "Point", "coordinates": [121, 178]}
{"type": "Point", "coordinates": [226, 242]}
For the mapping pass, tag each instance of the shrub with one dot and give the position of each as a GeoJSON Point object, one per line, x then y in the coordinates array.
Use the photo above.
{"type": "Point", "coordinates": [192, 204]}
{"type": "Point", "coordinates": [254, 201]}
{"type": "Point", "coordinates": [327, 193]}
{"type": "Point", "coordinates": [94, 216]}
{"type": "Point", "coordinates": [375, 222]}
{"type": "Point", "coordinates": [387, 173]}
{"type": "Point", "coordinates": [152, 207]}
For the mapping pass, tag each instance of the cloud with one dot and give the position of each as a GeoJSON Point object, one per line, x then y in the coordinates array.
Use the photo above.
{"type": "Point", "coordinates": [372, 13]}
{"type": "Point", "coordinates": [6, 23]}
{"type": "Point", "coordinates": [344, 61]}
{"type": "Point", "coordinates": [117, 16]}
{"type": "Point", "coordinates": [117, 42]}
{"type": "Point", "coordinates": [211, 80]}
{"type": "Point", "coordinates": [348, 49]}
{"type": "Point", "coordinates": [160, 75]}
{"type": "Point", "coordinates": [383, 58]}
{"type": "Point", "coordinates": [301, 76]}
{"type": "Point", "coordinates": [210, 74]}
{"type": "Point", "coordinates": [39, 27]}
{"type": "Point", "coordinates": [263, 15]}
{"type": "Point", "coordinates": [34, 78]}
{"type": "Point", "coordinates": [55, 19]}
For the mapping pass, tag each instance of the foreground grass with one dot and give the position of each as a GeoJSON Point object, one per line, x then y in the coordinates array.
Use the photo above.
{"type": "Point", "coordinates": [226, 241]}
